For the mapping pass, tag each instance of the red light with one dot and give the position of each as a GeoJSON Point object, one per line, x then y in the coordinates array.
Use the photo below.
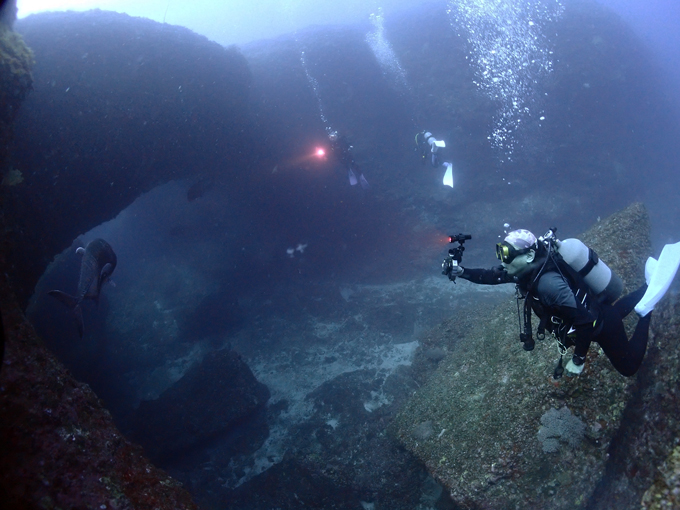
{"type": "Point", "coordinates": [320, 152]}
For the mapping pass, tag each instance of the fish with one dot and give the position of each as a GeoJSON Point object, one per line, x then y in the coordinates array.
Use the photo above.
{"type": "Point", "coordinates": [99, 262]}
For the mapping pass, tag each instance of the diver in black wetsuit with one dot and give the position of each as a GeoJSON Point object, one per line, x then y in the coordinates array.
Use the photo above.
{"type": "Point", "coordinates": [342, 152]}
{"type": "Point", "coordinates": [564, 304]}
{"type": "Point", "coordinates": [428, 147]}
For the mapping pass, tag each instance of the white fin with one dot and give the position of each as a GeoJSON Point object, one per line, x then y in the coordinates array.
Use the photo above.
{"type": "Point", "coordinates": [352, 178]}
{"type": "Point", "coordinates": [661, 278]}
{"type": "Point", "coordinates": [364, 182]}
{"type": "Point", "coordinates": [448, 176]}
{"type": "Point", "coordinates": [650, 267]}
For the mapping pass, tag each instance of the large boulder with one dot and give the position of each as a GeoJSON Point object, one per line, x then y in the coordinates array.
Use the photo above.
{"type": "Point", "coordinates": [212, 398]}
{"type": "Point", "coordinates": [340, 456]}
{"type": "Point", "coordinates": [498, 431]}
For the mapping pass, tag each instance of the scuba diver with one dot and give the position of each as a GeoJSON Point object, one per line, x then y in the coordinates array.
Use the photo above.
{"type": "Point", "coordinates": [342, 151]}
{"type": "Point", "coordinates": [577, 303]}
{"type": "Point", "coordinates": [429, 147]}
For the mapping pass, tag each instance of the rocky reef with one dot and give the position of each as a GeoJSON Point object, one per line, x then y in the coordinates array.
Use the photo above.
{"type": "Point", "coordinates": [16, 81]}
{"type": "Point", "coordinates": [60, 447]}
{"type": "Point", "coordinates": [498, 431]}
{"type": "Point", "coordinates": [665, 492]}
{"type": "Point", "coordinates": [16, 60]}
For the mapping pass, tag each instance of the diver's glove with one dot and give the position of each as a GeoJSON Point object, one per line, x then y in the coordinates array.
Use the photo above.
{"type": "Point", "coordinates": [575, 365]}
{"type": "Point", "coordinates": [457, 271]}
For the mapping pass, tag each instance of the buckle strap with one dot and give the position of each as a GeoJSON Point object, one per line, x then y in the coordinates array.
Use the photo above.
{"type": "Point", "coordinates": [593, 259]}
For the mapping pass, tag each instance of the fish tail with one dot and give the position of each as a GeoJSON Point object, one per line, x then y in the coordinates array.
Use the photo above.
{"type": "Point", "coordinates": [73, 304]}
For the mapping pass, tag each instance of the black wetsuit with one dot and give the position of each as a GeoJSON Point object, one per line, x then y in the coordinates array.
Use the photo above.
{"type": "Point", "coordinates": [425, 149]}
{"type": "Point", "coordinates": [342, 152]}
{"type": "Point", "coordinates": [565, 308]}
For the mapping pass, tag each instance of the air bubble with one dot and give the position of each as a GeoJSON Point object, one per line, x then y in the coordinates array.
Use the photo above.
{"type": "Point", "coordinates": [384, 54]}
{"type": "Point", "coordinates": [511, 53]}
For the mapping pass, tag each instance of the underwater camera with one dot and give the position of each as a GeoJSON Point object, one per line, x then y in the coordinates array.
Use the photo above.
{"type": "Point", "coordinates": [455, 254]}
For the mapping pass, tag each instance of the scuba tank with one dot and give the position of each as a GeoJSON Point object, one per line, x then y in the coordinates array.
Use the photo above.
{"type": "Point", "coordinates": [581, 262]}
{"type": "Point", "coordinates": [433, 142]}
{"type": "Point", "coordinates": [429, 141]}
{"type": "Point", "coordinates": [605, 283]}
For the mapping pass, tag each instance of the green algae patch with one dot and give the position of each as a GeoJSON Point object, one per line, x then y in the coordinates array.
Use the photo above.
{"type": "Point", "coordinates": [16, 80]}
{"type": "Point", "coordinates": [475, 423]}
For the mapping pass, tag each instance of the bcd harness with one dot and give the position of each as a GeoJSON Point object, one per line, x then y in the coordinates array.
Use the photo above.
{"type": "Point", "coordinates": [559, 328]}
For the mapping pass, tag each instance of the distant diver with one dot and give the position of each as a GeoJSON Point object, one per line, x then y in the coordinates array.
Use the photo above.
{"type": "Point", "coordinates": [575, 295]}
{"type": "Point", "coordinates": [96, 268]}
{"type": "Point", "coordinates": [429, 146]}
{"type": "Point", "coordinates": [342, 152]}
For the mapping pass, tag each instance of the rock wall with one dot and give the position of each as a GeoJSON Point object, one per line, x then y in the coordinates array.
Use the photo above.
{"type": "Point", "coordinates": [122, 105]}
{"type": "Point", "coordinates": [60, 447]}
{"type": "Point", "coordinates": [16, 81]}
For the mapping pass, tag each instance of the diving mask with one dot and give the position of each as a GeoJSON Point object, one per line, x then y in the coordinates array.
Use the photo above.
{"type": "Point", "coordinates": [507, 252]}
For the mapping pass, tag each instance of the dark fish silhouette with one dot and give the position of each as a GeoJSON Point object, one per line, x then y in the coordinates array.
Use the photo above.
{"type": "Point", "coordinates": [98, 263]}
